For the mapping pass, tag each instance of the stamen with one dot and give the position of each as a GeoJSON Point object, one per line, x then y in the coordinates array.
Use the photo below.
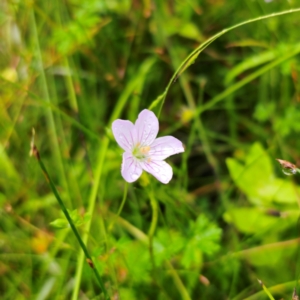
{"type": "Point", "coordinates": [145, 149]}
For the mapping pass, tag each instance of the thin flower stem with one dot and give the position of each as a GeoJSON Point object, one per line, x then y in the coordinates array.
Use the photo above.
{"type": "Point", "coordinates": [154, 206]}
{"type": "Point", "coordinates": [89, 259]}
{"type": "Point", "coordinates": [180, 286]}
{"type": "Point", "coordinates": [124, 199]}
{"type": "Point", "coordinates": [111, 226]}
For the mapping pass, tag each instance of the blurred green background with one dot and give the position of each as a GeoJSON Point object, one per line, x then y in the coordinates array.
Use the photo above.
{"type": "Point", "coordinates": [228, 217]}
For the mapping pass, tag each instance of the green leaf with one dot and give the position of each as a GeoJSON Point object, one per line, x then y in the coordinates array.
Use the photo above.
{"type": "Point", "coordinates": [60, 224]}
{"type": "Point", "coordinates": [167, 243]}
{"type": "Point", "coordinates": [257, 180]}
{"type": "Point", "coordinates": [257, 220]}
{"type": "Point", "coordinates": [190, 31]}
{"type": "Point", "coordinates": [204, 239]}
{"type": "Point", "coordinates": [77, 219]}
{"type": "Point", "coordinates": [251, 178]}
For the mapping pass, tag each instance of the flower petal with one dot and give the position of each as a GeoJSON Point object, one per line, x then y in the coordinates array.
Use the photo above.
{"type": "Point", "coordinates": [165, 146]}
{"type": "Point", "coordinates": [146, 127]}
{"type": "Point", "coordinates": [131, 169]}
{"type": "Point", "coordinates": [124, 133]}
{"type": "Point", "coordinates": [159, 169]}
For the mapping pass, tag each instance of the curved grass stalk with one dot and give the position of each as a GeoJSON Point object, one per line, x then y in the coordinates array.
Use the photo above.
{"type": "Point", "coordinates": [193, 56]}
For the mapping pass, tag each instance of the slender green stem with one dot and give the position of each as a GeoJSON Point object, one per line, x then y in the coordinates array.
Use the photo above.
{"type": "Point", "coordinates": [124, 198]}
{"type": "Point", "coordinates": [180, 286]}
{"type": "Point", "coordinates": [154, 206]}
{"type": "Point", "coordinates": [73, 227]}
{"type": "Point", "coordinates": [111, 226]}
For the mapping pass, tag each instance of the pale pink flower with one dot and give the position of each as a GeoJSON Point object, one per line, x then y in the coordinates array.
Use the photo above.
{"type": "Point", "coordinates": [143, 151]}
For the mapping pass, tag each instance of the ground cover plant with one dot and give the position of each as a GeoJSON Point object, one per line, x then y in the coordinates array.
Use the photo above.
{"type": "Point", "coordinates": [138, 148]}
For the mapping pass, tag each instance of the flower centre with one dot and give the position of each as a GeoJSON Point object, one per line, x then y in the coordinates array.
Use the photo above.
{"type": "Point", "coordinates": [141, 153]}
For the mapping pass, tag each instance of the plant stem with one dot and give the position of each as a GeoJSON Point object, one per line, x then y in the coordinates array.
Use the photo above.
{"type": "Point", "coordinates": [179, 284]}
{"type": "Point", "coordinates": [111, 226]}
{"type": "Point", "coordinates": [154, 206]}
{"type": "Point", "coordinates": [124, 199]}
{"type": "Point", "coordinates": [89, 259]}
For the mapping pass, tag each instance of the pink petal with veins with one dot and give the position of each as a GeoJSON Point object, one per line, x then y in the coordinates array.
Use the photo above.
{"type": "Point", "coordinates": [164, 147]}
{"type": "Point", "coordinates": [146, 127]}
{"type": "Point", "coordinates": [131, 169]}
{"type": "Point", "coordinates": [159, 169]}
{"type": "Point", "coordinates": [124, 133]}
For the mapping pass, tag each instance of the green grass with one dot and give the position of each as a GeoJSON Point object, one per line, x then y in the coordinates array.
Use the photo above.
{"type": "Point", "coordinates": [222, 76]}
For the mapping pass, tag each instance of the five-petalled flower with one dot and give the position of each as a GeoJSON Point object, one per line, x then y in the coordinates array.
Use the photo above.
{"type": "Point", "coordinates": [143, 151]}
